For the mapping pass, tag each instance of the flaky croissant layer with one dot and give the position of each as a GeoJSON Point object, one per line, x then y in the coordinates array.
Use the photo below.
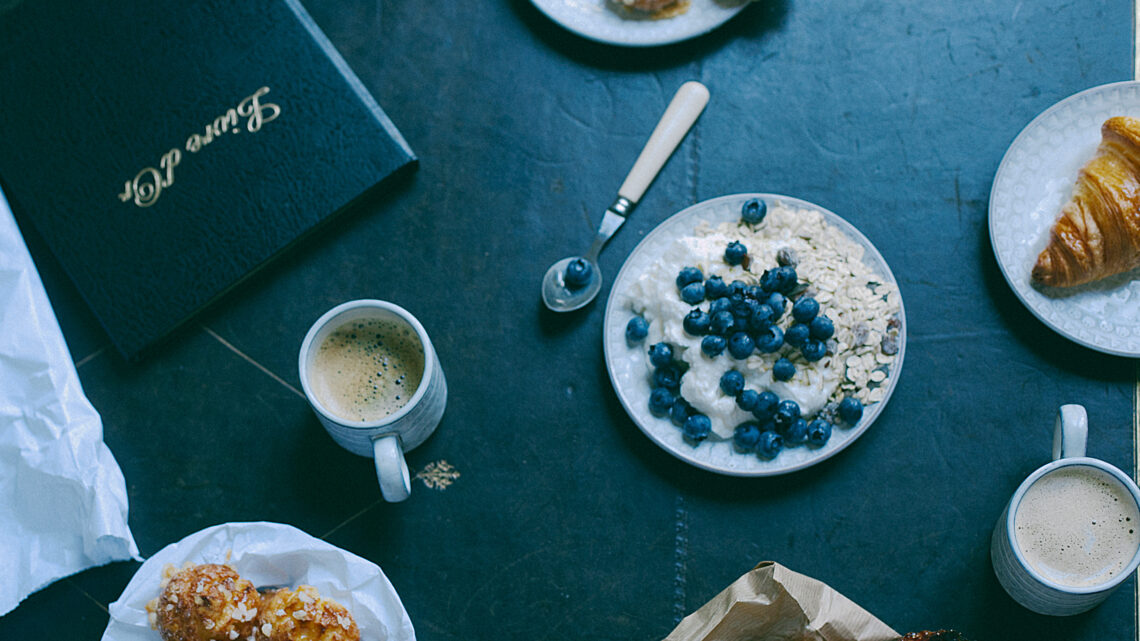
{"type": "Point", "coordinates": [1097, 233]}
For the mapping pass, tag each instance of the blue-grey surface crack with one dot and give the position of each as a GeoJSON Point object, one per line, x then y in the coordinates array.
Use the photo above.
{"type": "Point", "coordinates": [680, 557]}
{"type": "Point", "coordinates": [693, 172]}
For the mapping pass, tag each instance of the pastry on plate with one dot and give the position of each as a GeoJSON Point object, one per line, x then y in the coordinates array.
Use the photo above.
{"type": "Point", "coordinates": [647, 5]}
{"type": "Point", "coordinates": [207, 602]}
{"type": "Point", "coordinates": [1097, 233]}
{"type": "Point", "coordinates": [303, 615]}
{"type": "Point", "coordinates": [656, 8]}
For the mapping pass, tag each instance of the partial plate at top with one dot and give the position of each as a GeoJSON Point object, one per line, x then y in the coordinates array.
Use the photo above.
{"type": "Point", "coordinates": [605, 21]}
{"type": "Point", "coordinates": [1035, 179]}
{"type": "Point", "coordinates": [630, 373]}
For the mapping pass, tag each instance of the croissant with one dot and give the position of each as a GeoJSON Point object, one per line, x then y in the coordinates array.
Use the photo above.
{"type": "Point", "coordinates": [1097, 233]}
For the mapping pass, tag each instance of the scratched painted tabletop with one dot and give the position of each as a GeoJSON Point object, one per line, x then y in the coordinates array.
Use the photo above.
{"type": "Point", "coordinates": [565, 520]}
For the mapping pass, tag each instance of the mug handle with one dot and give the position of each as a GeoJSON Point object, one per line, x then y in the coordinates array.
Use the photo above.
{"type": "Point", "coordinates": [1070, 432]}
{"type": "Point", "coordinates": [391, 468]}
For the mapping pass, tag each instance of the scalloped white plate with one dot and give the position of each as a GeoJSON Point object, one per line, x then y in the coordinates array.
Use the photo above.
{"type": "Point", "coordinates": [600, 21]}
{"type": "Point", "coordinates": [1034, 180]}
{"type": "Point", "coordinates": [629, 371]}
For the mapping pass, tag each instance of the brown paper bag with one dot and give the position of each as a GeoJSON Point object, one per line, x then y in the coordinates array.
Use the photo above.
{"type": "Point", "coordinates": [772, 603]}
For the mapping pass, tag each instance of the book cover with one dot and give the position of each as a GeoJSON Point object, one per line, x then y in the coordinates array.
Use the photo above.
{"type": "Point", "coordinates": [165, 151]}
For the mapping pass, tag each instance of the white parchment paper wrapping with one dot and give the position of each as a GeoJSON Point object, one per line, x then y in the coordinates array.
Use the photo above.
{"type": "Point", "coordinates": [270, 554]}
{"type": "Point", "coordinates": [774, 603]}
{"type": "Point", "coordinates": [63, 501]}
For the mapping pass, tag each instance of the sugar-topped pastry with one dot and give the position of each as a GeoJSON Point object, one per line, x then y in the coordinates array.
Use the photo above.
{"type": "Point", "coordinates": [304, 615]}
{"type": "Point", "coordinates": [207, 602]}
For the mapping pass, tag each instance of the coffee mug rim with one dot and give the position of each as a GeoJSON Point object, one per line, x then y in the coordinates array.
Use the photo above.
{"type": "Point", "coordinates": [328, 317]}
{"type": "Point", "coordinates": [1015, 502]}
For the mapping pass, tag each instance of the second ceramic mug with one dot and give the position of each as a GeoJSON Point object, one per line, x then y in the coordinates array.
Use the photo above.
{"type": "Point", "coordinates": [372, 333]}
{"type": "Point", "coordinates": [1070, 535]}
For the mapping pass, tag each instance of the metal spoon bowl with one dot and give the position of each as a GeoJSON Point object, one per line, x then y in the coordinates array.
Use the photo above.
{"type": "Point", "coordinates": [559, 297]}
{"type": "Point", "coordinates": [678, 118]}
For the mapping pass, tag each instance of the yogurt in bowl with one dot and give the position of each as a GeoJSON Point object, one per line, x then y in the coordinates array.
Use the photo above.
{"type": "Point", "coordinates": [834, 264]}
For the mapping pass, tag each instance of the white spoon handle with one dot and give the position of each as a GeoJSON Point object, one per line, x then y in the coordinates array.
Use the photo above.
{"type": "Point", "coordinates": [682, 112]}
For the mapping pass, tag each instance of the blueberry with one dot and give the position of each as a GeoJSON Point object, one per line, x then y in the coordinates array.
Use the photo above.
{"type": "Point", "coordinates": [740, 345]}
{"type": "Point", "coordinates": [696, 322]}
{"type": "Point", "coordinates": [766, 404]}
{"type": "Point", "coordinates": [805, 309]}
{"type": "Point", "coordinates": [796, 433]}
{"type": "Point", "coordinates": [769, 445]}
{"type": "Point", "coordinates": [754, 292]}
{"type": "Point", "coordinates": [786, 279]}
{"type": "Point", "coordinates": [722, 304]}
{"type": "Point", "coordinates": [737, 287]}
{"type": "Point", "coordinates": [661, 401]}
{"type": "Point", "coordinates": [636, 329]}
{"type": "Point", "coordinates": [797, 334]}
{"type": "Point", "coordinates": [781, 279]}
{"type": "Point", "coordinates": [667, 377]}
{"type": "Point", "coordinates": [813, 349]}
{"type": "Point", "coordinates": [697, 427]}
{"type": "Point", "coordinates": [762, 318]}
{"type": "Point", "coordinates": [850, 410]}
{"type": "Point", "coordinates": [715, 287]}
{"type": "Point", "coordinates": [712, 345]}
{"type": "Point", "coordinates": [732, 382]}
{"type": "Point", "coordinates": [770, 340]}
{"type": "Point", "coordinates": [578, 273]}
{"type": "Point", "coordinates": [753, 211]}
{"type": "Point", "coordinates": [721, 322]}
{"type": "Point", "coordinates": [680, 411]}
{"type": "Point", "coordinates": [746, 436]}
{"type": "Point", "coordinates": [748, 399]}
{"type": "Point", "coordinates": [818, 431]}
{"type": "Point", "coordinates": [786, 412]}
{"type": "Point", "coordinates": [660, 354]}
{"type": "Point", "coordinates": [689, 275]}
{"type": "Point", "coordinates": [822, 328]}
{"type": "Point", "coordinates": [783, 370]}
{"type": "Point", "coordinates": [768, 280]}
{"type": "Point", "coordinates": [739, 324]}
{"type": "Point", "coordinates": [735, 252]}
{"type": "Point", "coordinates": [693, 293]}
{"type": "Point", "coordinates": [777, 302]}
{"type": "Point", "coordinates": [741, 306]}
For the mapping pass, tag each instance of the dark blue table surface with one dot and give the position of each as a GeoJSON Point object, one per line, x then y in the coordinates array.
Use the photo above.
{"type": "Point", "coordinates": [566, 521]}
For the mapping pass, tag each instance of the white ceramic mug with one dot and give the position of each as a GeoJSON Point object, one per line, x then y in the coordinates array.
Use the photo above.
{"type": "Point", "coordinates": [386, 439]}
{"type": "Point", "coordinates": [1037, 584]}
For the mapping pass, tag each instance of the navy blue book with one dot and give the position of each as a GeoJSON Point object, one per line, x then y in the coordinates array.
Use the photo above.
{"type": "Point", "coordinates": [164, 151]}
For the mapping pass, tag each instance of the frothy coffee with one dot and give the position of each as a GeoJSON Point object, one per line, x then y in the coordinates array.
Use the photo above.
{"type": "Point", "coordinates": [367, 369]}
{"type": "Point", "coordinates": [1077, 526]}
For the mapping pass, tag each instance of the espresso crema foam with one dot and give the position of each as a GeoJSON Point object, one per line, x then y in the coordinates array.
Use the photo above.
{"type": "Point", "coordinates": [1078, 527]}
{"type": "Point", "coordinates": [368, 369]}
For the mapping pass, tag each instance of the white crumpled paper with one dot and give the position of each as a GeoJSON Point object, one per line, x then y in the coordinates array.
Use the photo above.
{"type": "Point", "coordinates": [63, 501]}
{"type": "Point", "coordinates": [270, 554]}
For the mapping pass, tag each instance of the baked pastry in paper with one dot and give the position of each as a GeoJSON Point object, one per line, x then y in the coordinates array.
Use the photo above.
{"type": "Point", "coordinates": [774, 603]}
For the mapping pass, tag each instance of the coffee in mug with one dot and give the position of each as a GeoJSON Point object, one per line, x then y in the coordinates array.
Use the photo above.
{"type": "Point", "coordinates": [373, 378]}
{"type": "Point", "coordinates": [367, 369]}
{"type": "Point", "coordinates": [1068, 536]}
{"type": "Point", "coordinates": [1077, 526]}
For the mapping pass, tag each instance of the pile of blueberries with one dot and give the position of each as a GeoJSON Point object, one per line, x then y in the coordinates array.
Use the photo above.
{"type": "Point", "coordinates": [742, 319]}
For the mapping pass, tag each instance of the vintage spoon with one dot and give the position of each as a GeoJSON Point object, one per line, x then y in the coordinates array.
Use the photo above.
{"type": "Point", "coordinates": [682, 112]}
